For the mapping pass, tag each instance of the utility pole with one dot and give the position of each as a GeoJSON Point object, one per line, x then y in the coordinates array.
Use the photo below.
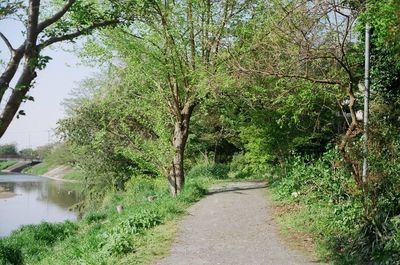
{"type": "Point", "coordinates": [366, 100]}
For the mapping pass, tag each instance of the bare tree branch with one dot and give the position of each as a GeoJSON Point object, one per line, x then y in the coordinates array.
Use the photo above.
{"type": "Point", "coordinates": [44, 24]}
{"type": "Point", "coordinates": [77, 33]}
{"type": "Point", "coordinates": [7, 42]}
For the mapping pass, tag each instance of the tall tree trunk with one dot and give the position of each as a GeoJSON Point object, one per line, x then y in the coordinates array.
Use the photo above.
{"type": "Point", "coordinates": [176, 174]}
{"type": "Point", "coordinates": [10, 70]}
{"type": "Point", "coordinates": [30, 51]}
{"type": "Point", "coordinates": [18, 95]}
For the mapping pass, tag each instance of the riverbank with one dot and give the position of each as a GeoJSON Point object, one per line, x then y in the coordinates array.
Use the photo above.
{"type": "Point", "coordinates": [7, 194]}
{"type": "Point", "coordinates": [140, 231]}
{"type": "Point", "coordinates": [6, 163]}
{"type": "Point", "coordinates": [64, 173]}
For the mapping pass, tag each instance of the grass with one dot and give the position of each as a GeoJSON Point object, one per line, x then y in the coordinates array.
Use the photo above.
{"type": "Point", "coordinates": [74, 174]}
{"type": "Point", "coordinates": [7, 163]}
{"type": "Point", "coordinates": [137, 235]}
{"type": "Point", "coordinates": [310, 204]}
{"type": "Point", "coordinates": [38, 169]}
{"type": "Point", "coordinates": [298, 226]}
{"type": "Point", "coordinates": [347, 225]}
{"type": "Point", "coordinates": [46, 166]}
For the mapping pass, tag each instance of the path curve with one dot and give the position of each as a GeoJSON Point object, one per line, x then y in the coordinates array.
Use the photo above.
{"type": "Point", "coordinates": [232, 227]}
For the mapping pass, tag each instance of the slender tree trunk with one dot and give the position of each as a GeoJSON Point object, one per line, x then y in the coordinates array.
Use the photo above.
{"type": "Point", "coordinates": [30, 52]}
{"type": "Point", "coordinates": [352, 131]}
{"type": "Point", "coordinates": [18, 95]}
{"type": "Point", "coordinates": [176, 174]}
{"type": "Point", "coordinates": [10, 70]}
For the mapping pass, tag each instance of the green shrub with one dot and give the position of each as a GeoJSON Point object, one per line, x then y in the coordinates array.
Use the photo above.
{"type": "Point", "coordinates": [194, 191]}
{"type": "Point", "coordinates": [38, 169]}
{"type": "Point", "coordinates": [34, 241]}
{"type": "Point", "coordinates": [140, 188]}
{"type": "Point", "coordinates": [212, 171]}
{"type": "Point", "coordinates": [7, 163]}
{"type": "Point", "coordinates": [8, 150]}
{"type": "Point", "coordinates": [47, 233]}
{"type": "Point", "coordinates": [117, 243]}
{"type": "Point", "coordinates": [351, 226]}
{"type": "Point", "coordinates": [10, 254]}
{"type": "Point", "coordinates": [141, 220]}
{"type": "Point", "coordinates": [105, 236]}
{"type": "Point", "coordinates": [94, 216]}
{"type": "Point", "coordinates": [169, 207]}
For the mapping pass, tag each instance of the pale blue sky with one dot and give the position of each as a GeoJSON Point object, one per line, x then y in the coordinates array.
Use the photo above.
{"type": "Point", "coordinates": [53, 84]}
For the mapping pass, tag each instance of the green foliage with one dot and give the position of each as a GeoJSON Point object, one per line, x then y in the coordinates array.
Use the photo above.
{"type": "Point", "coordinates": [38, 169]}
{"type": "Point", "coordinates": [270, 105]}
{"type": "Point", "coordinates": [60, 154]}
{"type": "Point", "coordinates": [53, 156]}
{"type": "Point", "coordinates": [28, 152]}
{"type": "Point", "coordinates": [94, 216]}
{"type": "Point", "coordinates": [193, 192]}
{"type": "Point", "coordinates": [303, 176]}
{"type": "Point", "coordinates": [10, 255]}
{"type": "Point", "coordinates": [213, 137]}
{"type": "Point", "coordinates": [46, 233]}
{"type": "Point", "coordinates": [18, 248]}
{"type": "Point", "coordinates": [211, 171]}
{"type": "Point", "coordinates": [9, 7]}
{"type": "Point", "coordinates": [8, 150]}
{"type": "Point", "coordinates": [44, 151]}
{"type": "Point", "coordinates": [142, 220]}
{"type": "Point", "coordinates": [117, 243]}
{"type": "Point", "coordinates": [7, 163]}
{"type": "Point", "coordinates": [383, 17]}
{"type": "Point", "coordinates": [104, 236]}
{"type": "Point", "coordinates": [117, 135]}
{"type": "Point", "coordinates": [350, 227]}
{"type": "Point", "coordinates": [74, 174]}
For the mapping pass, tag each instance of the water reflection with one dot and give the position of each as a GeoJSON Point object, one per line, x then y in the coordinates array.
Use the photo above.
{"type": "Point", "coordinates": [36, 199]}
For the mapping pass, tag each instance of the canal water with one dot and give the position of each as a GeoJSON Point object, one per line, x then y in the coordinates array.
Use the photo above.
{"type": "Point", "coordinates": [26, 199]}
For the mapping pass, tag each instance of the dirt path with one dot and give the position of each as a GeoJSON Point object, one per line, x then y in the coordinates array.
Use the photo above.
{"type": "Point", "coordinates": [231, 228]}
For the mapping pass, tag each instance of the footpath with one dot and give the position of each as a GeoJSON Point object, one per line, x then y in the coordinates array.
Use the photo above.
{"type": "Point", "coordinates": [233, 225]}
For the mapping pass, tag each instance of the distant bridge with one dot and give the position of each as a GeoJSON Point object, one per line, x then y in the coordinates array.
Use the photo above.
{"type": "Point", "coordinates": [22, 162]}
{"type": "Point", "coordinates": [20, 158]}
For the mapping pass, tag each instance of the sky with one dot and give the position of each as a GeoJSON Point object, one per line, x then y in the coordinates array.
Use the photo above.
{"type": "Point", "coordinates": [53, 84]}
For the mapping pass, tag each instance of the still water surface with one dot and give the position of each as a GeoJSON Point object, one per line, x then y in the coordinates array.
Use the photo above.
{"type": "Point", "coordinates": [26, 199]}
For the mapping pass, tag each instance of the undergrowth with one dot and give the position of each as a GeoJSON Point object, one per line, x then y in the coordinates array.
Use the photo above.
{"type": "Point", "coordinates": [137, 234]}
{"type": "Point", "coordinates": [349, 226]}
{"type": "Point", "coordinates": [7, 163]}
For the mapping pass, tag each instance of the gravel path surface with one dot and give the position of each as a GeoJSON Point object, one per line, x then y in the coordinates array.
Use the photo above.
{"type": "Point", "coordinates": [231, 228]}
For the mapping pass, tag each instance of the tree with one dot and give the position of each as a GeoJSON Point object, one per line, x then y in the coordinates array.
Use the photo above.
{"type": "Point", "coordinates": [116, 132]}
{"type": "Point", "coordinates": [310, 42]}
{"type": "Point", "coordinates": [72, 20]}
{"type": "Point", "coordinates": [193, 34]}
{"type": "Point", "coordinates": [8, 150]}
{"type": "Point", "coordinates": [182, 48]}
{"type": "Point", "coordinates": [28, 152]}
